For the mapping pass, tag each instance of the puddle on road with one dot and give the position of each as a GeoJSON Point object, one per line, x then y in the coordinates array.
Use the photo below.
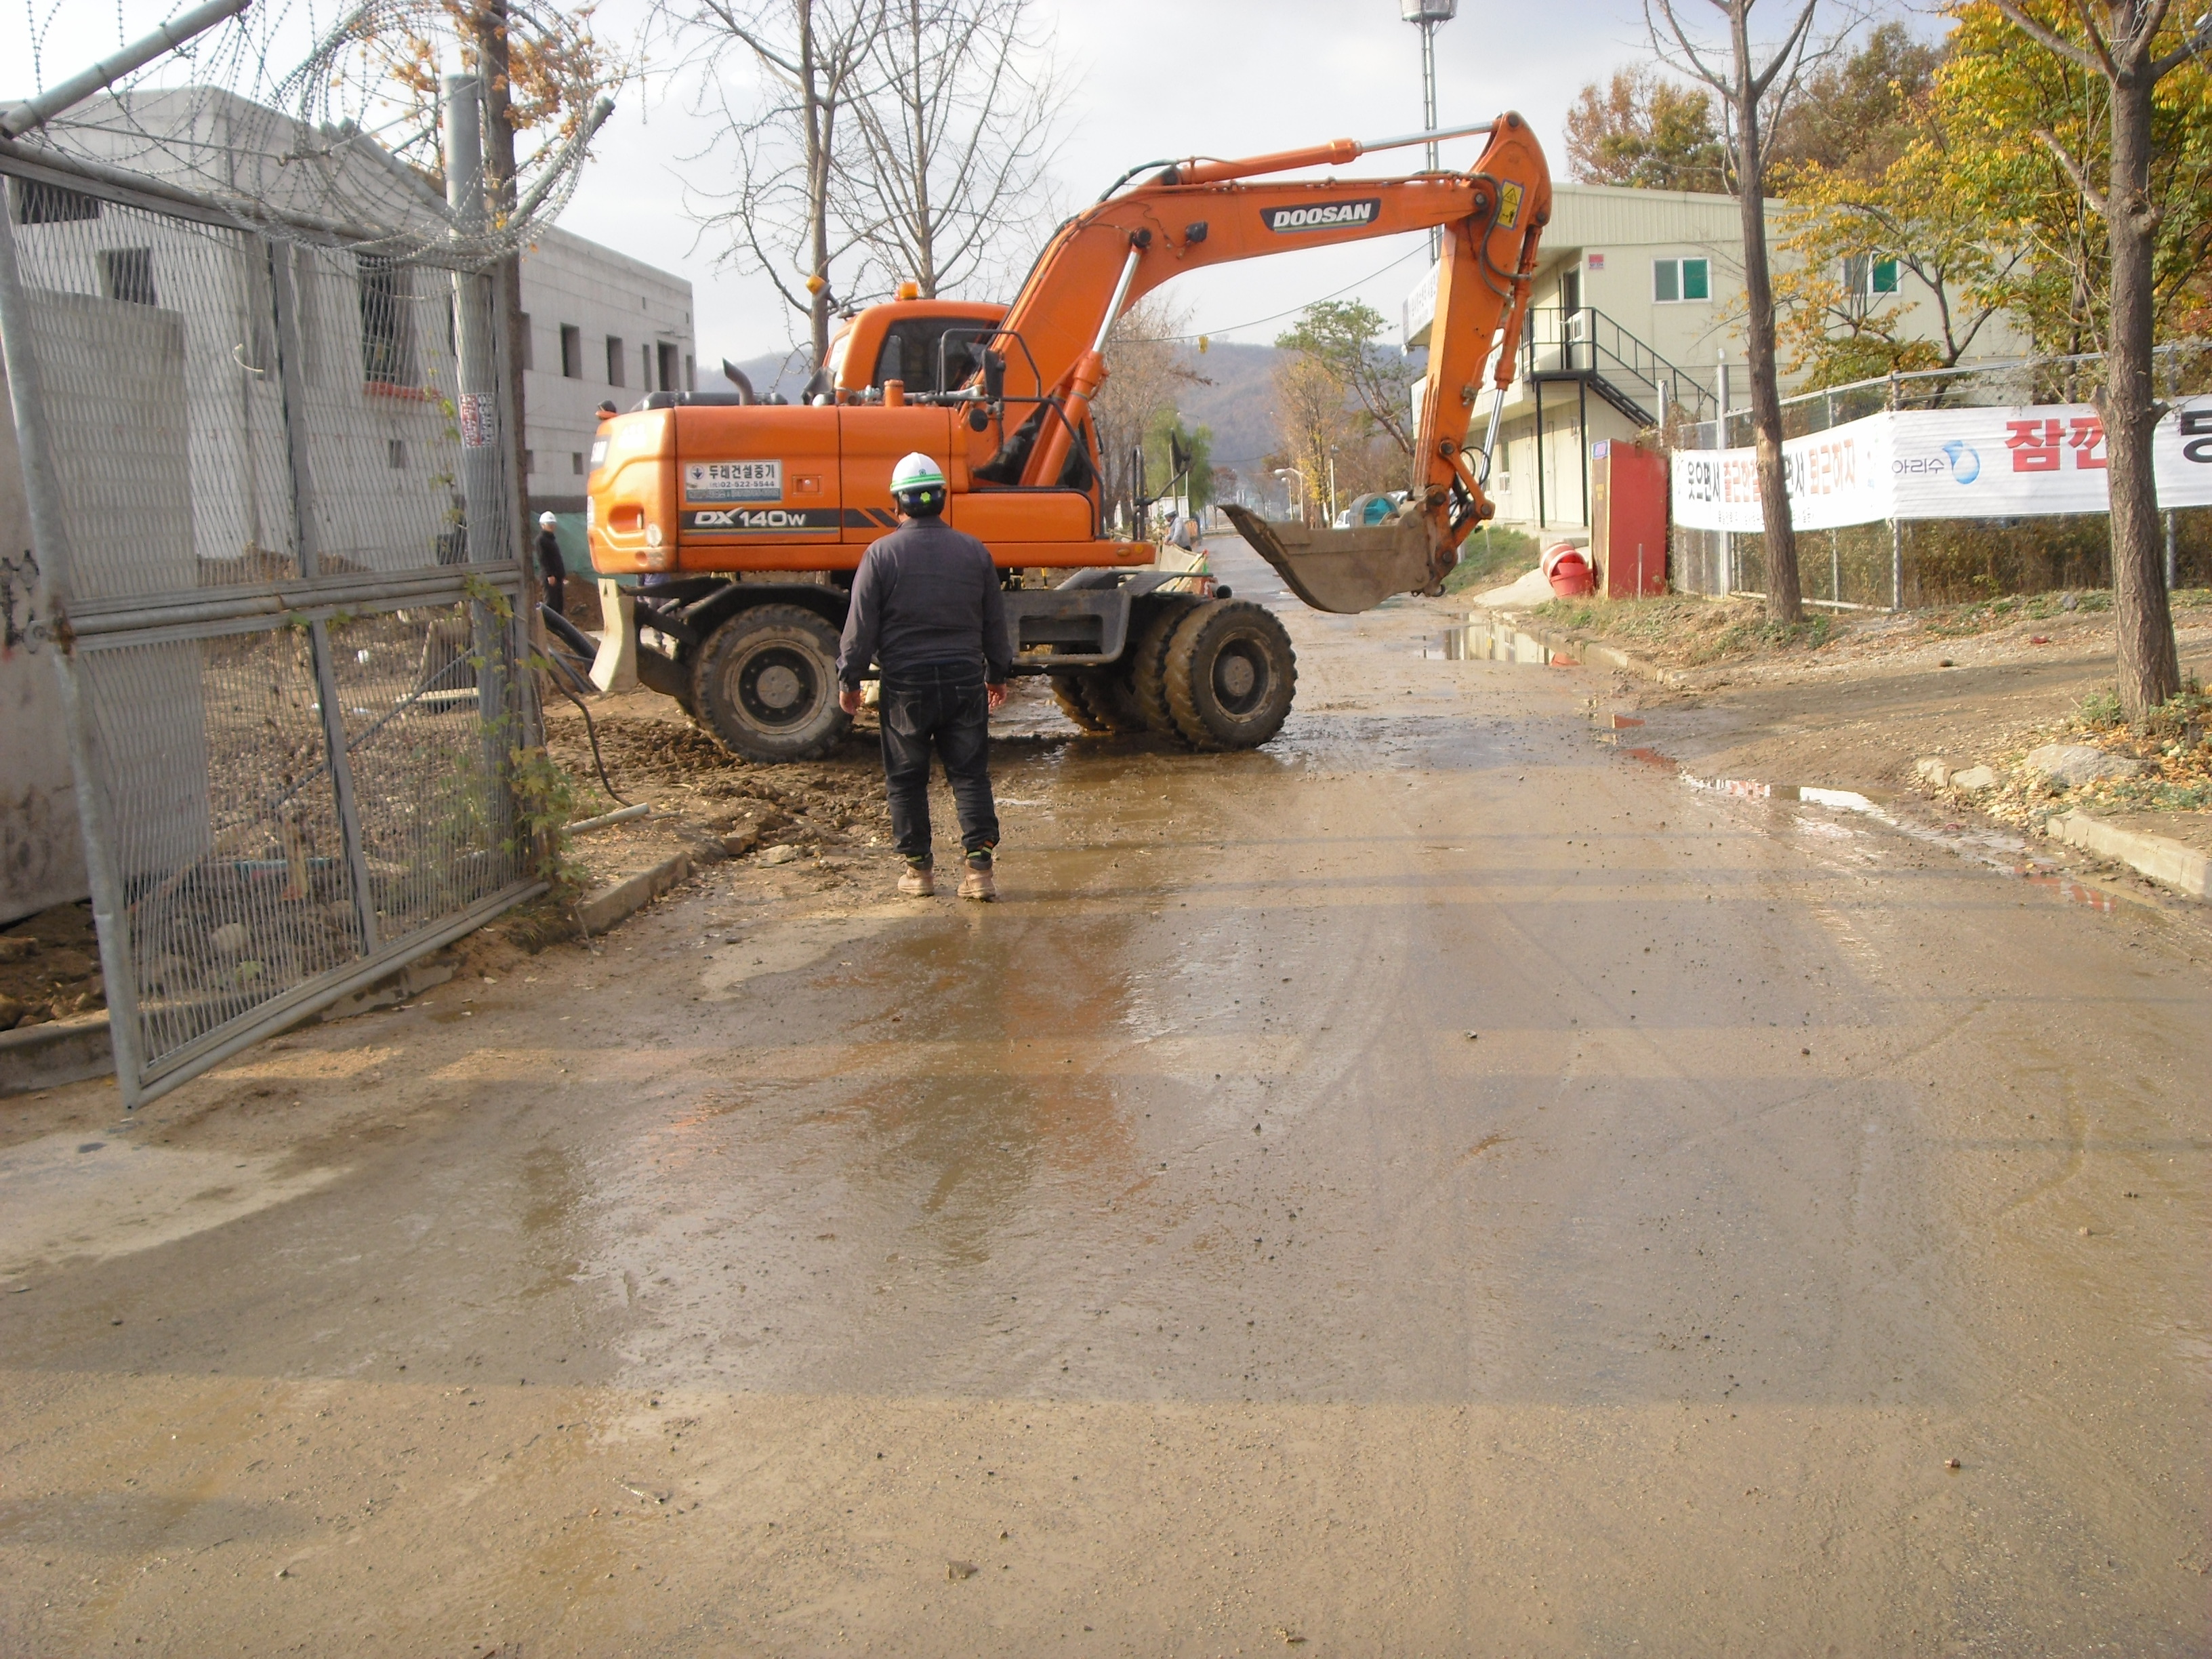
{"type": "Point", "coordinates": [1495, 642]}
{"type": "Point", "coordinates": [66, 1195]}
{"type": "Point", "coordinates": [2005, 853]}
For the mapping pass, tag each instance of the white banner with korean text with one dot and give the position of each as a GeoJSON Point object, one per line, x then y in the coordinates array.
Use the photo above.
{"type": "Point", "coordinates": [1943, 464]}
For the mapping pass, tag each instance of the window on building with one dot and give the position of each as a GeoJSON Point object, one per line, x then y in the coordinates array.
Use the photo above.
{"type": "Point", "coordinates": [387, 335]}
{"type": "Point", "coordinates": [616, 374]}
{"type": "Point", "coordinates": [645, 368]}
{"type": "Point", "coordinates": [667, 353]}
{"type": "Point", "coordinates": [691, 373]}
{"type": "Point", "coordinates": [529, 350]}
{"type": "Point", "coordinates": [1680, 279]}
{"type": "Point", "coordinates": [395, 453]}
{"type": "Point", "coordinates": [529, 462]}
{"type": "Point", "coordinates": [1867, 276]}
{"type": "Point", "coordinates": [33, 203]}
{"type": "Point", "coordinates": [576, 462]}
{"type": "Point", "coordinates": [127, 274]}
{"type": "Point", "coordinates": [572, 352]}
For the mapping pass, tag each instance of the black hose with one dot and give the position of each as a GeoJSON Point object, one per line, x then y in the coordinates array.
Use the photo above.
{"type": "Point", "coordinates": [593, 732]}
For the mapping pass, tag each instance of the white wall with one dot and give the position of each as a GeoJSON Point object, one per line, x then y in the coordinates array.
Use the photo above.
{"type": "Point", "coordinates": [41, 855]}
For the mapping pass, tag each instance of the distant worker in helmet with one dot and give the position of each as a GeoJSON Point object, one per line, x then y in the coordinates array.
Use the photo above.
{"type": "Point", "coordinates": [551, 566]}
{"type": "Point", "coordinates": [926, 610]}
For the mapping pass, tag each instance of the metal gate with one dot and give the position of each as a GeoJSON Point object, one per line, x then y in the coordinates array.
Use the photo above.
{"type": "Point", "coordinates": [275, 562]}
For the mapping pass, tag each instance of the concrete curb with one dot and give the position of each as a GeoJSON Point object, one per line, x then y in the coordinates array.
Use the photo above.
{"type": "Point", "coordinates": [61, 1051]}
{"type": "Point", "coordinates": [1582, 647]}
{"type": "Point", "coordinates": [2171, 863]}
{"type": "Point", "coordinates": [621, 900]}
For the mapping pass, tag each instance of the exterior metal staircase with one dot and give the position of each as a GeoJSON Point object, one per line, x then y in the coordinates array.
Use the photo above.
{"type": "Point", "coordinates": [1583, 344]}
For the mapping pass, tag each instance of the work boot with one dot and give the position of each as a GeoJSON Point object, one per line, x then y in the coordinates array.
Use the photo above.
{"type": "Point", "coordinates": [978, 883]}
{"type": "Point", "coordinates": [920, 881]}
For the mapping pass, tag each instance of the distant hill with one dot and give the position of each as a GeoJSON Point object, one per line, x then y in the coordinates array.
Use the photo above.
{"type": "Point", "coordinates": [1239, 405]}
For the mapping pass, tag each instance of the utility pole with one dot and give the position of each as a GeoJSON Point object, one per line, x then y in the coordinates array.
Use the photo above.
{"type": "Point", "coordinates": [1425, 15]}
{"type": "Point", "coordinates": [488, 26]}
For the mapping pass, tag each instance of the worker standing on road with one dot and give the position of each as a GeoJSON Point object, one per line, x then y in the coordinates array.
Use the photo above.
{"type": "Point", "coordinates": [926, 610]}
{"type": "Point", "coordinates": [551, 566]}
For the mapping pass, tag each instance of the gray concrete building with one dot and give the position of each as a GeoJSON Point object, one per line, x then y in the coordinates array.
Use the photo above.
{"type": "Point", "coordinates": [600, 326]}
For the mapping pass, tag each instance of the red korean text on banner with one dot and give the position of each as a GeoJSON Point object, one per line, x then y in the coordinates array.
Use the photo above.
{"type": "Point", "coordinates": [2034, 445]}
{"type": "Point", "coordinates": [2088, 439]}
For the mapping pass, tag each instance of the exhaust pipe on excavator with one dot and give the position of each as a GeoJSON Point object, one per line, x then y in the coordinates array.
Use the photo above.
{"type": "Point", "coordinates": [1344, 571]}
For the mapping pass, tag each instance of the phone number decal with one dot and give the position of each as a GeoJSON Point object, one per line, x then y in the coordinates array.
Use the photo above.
{"type": "Point", "coordinates": [733, 481]}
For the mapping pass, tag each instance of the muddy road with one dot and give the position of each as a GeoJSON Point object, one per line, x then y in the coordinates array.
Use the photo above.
{"type": "Point", "coordinates": [1436, 1185]}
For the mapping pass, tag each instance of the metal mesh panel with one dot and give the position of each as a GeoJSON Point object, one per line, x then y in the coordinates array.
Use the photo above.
{"type": "Point", "coordinates": [168, 425]}
{"type": "Point", "coordinates": [382, 417]}
{"type": "Point", "coordinates": [160, 344]}
{"type": "Point", "coordinates": [227, 832]}
{"type": "Point", "coordinates": [269, 477]}
{"type": "Point", "coordinates": [437, 823]}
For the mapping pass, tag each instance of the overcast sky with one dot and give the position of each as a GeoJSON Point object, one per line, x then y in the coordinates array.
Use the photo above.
{"type": "Point", "coordinates": [1146, 78]}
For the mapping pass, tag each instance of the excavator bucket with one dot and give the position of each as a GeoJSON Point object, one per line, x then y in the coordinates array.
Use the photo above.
{"type": "Point", "coordinates": [1347, 571]}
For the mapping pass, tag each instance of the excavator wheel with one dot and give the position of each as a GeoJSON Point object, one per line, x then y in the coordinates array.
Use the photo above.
{"type": "Point", "coordinates": [1107, 693]}
{"type": "Point", "coordinates": [1230, 675]}
{"type": "Point", "coordinates": [765, 685]}
{"type": "Point", "coordinates": [1146, 662]}
{"type": "Point", "coordinates": [1068, 692]}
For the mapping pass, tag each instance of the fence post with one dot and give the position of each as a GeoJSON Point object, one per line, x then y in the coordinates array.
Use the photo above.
{"type": "Point", "coordinates": [1896, 540]}
{"type": "Point", "coordinates": [1721, 431]}
{"type": "Point", "coordinates": [49, 542]}
{"type": "Point", "coordinates": [292, 382]}
{"type": "Point", "coordinates": [479, 403]}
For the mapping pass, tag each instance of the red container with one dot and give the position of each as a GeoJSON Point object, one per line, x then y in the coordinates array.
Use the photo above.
{"type": "Point", "coordinates": [1567, 569]}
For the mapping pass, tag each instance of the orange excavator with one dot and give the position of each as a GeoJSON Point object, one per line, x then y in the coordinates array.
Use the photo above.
{"type": "Point", "coordinates": [748, 518]}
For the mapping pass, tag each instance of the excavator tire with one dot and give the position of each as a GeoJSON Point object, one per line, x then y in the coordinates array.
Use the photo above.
{"type": "Point", "coordinates": [765, 685]}
{"type": "Point", "coordinates": [1068, 692]}
{"type": "Point", "coordinates": [1146, 662]}
{"type": "Point", "coordinates": [1230, 675]}
{"type": "Point", "coordinates": [1107, 692]}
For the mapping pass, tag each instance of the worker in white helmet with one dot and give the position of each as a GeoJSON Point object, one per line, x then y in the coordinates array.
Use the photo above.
{"type": "Point", "coordinates": [551, 566]}
{"type": "Point", "coordinates": [926, 610]}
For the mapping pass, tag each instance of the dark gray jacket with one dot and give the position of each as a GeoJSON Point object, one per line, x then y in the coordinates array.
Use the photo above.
{"type": "Point", "coordinates": [926, 595]}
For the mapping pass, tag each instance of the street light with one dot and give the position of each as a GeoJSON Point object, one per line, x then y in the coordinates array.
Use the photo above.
{"type": "Point", "coordinates": [1292, 472]}
{"type": "Point", "coordinates": [1425, 14]}
{"type": "Point", "coordinates": [1332, 483]}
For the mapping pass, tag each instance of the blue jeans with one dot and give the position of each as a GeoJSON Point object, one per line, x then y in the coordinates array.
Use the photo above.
{"type": "Point", "coordinates": [940, 706]}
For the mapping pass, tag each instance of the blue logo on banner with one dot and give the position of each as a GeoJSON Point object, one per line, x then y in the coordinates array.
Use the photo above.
{"type": "Point", "coordinates": [1965, 461]}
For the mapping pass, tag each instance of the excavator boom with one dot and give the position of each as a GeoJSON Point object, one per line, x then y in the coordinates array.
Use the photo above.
{"type": "Point", "coordinates": [1196, 214]}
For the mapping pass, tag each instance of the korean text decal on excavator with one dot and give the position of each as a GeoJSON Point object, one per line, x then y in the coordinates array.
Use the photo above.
{"type": "Point", "coordinates": [697, 489]}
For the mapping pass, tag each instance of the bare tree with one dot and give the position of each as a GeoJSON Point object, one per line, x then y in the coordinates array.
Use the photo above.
{"type": "Point", "coordinates": [1148, 369]}
{"type": "Point", "coordinates": [806, 60]}
{"type": "Point", "coordinates": [947, 151]}
{"type": "Point", "coordinates": [2122, 49]}
{"type": "Point", "coordinates": [1752, 97]}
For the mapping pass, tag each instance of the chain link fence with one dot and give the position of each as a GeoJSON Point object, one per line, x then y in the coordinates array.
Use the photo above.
{"type": "Point", "coordinates": [1899, 564]}
{"type": "Point", "coordinates": [276, 559]}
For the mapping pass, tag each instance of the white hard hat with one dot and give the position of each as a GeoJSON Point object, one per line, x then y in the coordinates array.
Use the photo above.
{"type": "Point", "coordinates": [916, 471]}
{"type": "Point", "coordinates": [547, 520]}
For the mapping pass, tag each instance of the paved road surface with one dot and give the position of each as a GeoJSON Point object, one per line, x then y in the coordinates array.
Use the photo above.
{"type": "Point", "coordinates": [1435, 1186]}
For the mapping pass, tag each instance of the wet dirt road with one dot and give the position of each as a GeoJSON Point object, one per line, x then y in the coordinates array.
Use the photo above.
{"type": "Point", "coordinates": [1435, 1186]}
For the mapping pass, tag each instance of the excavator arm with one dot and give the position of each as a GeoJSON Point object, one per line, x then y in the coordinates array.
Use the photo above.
{"type": "Point", "coordinates": [1191, 215]}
